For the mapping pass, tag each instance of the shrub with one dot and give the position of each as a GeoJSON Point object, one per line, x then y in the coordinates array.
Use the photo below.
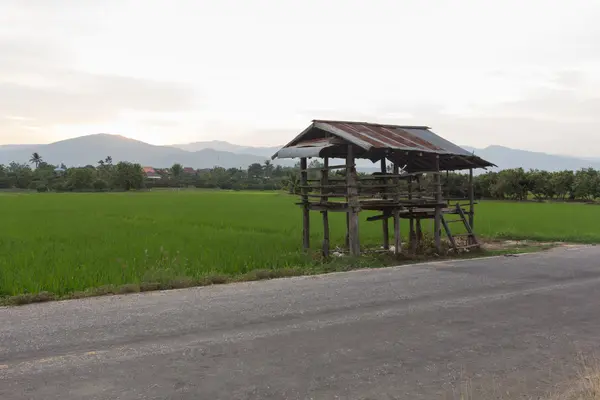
{"type": "Point", "coordinates": [100, 185]}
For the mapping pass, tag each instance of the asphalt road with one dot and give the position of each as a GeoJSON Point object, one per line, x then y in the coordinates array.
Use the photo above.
{"type": "Point", "coordinates": [501, 326]}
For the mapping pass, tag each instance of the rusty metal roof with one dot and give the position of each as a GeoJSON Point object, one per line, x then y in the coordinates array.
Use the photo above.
{"type": "Point", "coordinates": [410, 145]}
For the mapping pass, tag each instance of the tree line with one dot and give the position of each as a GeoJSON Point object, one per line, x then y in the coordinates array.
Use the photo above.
{"type": "Point", "coordinates": [509, 184]}
{"type": "Point", "coordinates": [518, 184]}
{"type": "Point", "coordinates": [108, 176]}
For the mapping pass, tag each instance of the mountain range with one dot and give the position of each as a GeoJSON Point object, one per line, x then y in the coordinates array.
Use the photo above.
{"type": "Point", "coordinates": [90, 149]}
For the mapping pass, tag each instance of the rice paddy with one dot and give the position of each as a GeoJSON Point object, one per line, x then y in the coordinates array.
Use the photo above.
{"type": "Point", "coordinates": [69, 243]}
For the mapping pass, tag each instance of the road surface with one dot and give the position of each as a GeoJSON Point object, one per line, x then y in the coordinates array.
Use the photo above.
{"type": "Point", "coordinates": [505, 325]}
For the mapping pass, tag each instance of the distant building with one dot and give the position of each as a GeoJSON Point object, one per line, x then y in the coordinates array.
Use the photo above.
{"type": "Point", "coordinates": [151, 173]}
{"type": "Point", "coordinates": [189, 171]}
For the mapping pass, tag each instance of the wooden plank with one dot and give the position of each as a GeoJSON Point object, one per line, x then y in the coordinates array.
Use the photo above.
{"type": "Point", "coordinates": [353, 238]}
{"type": "Point", "coordinates": [325, 215]}
{"type": "Point", "coordinates": [449, 233]}
{"type": "Point", "coordinates": [343, 180]}
{"type": "Point", "coordinates": [319, 196]}
{"type": "Point", "coordinates": [326, 168]}
{"type": "Point", "coordinates": [379, 177]}
{"type": "Point", "coordinates": [305, 208]}
{"type": "Point", "coordinates": [470, 233]}
{"type": "Point", "coordinates": [318, 187]}
{"type": "Point", "coordinates": [379, 217]}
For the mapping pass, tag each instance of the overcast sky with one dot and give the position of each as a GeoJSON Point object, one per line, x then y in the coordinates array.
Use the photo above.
{"type": "Point", "coordinates": [519, 73]}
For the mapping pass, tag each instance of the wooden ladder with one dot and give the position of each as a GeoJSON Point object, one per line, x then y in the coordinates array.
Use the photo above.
{"type": "Point", "coordinates": [472, 239]}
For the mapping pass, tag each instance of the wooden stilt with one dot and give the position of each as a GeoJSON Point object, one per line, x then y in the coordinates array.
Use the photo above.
{"type": "Point", "coordinates": [411, 235]}
{"type": "Point", "coordinates": [438, 208]}
{"type": "Point", "coordinates": [384, 222]}
{"type": "Point", "coordinates": [347, 241]}
{"type": "Point", "coordinates": [471, 200]}
{"type": "Point", "coordinates": [353, 203]}
{"type": "Point", "coordinates": [419, 235]}
{"type": "Point", "coordinates": [305, 214]}
{"type": "Point", "coordinates": [324, 182]}
{"type": "Point", "coordinates": [397, 237]}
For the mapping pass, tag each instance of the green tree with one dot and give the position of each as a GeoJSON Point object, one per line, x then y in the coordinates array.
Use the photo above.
{"type": "Point", "coordinates": [128, 176]}
{"type": "Point", "coordinates": [177, 170]}
{"type": "Point", "coordinates": [540, 184]}
{"type": "Point", "coordinates": [562, 183]}
{"type": "Point", "coordinates": [268, 169]}
{"type": "Point", "coordinates": [255, 171]}
{"type": "Point", "coordinates": [177, 173]}
{"type": "Point", "coordinates": [80, 178]}
{"type": "Point", "coordinates": [36, 159]}
{"type": "Point", "coordinates": [20, 175]}
{"type": "Point", "coordinates": [586, 185]}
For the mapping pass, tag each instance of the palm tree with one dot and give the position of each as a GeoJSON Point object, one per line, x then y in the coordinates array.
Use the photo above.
{"type": "Point", "coordinates": [268, 169]}
{"type": "Point", "coordinates": [36, 159]}
{"type": "Point", "coordinates": [108, 160]}
{"type": "Point", "coordinates": [292, 183]}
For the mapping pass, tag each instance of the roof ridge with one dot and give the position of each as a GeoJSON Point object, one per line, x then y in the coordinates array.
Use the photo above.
{"type": "Point", "coordinates": [372, 124]}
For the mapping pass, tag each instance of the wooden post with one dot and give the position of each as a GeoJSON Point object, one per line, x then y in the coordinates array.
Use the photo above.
{"type": "Point", "coordinates": [419, 226]}
{"type": "Point", "coordinates": [437, 221]}
{"type": "Point", "coordinates": [324, 182]}
{"type": "Point", "coordinates": [471, 199]}
{"type": "Point", "coordinates": [397, 238]}
{"type": "Point", "coordinates": [353, 203]}
{"type": "Point", "coordinates": [305, 215]}
{"type": "Point", "coordinates": [411, 221]}
{"type": "Point", "coordinates": [384, 221]}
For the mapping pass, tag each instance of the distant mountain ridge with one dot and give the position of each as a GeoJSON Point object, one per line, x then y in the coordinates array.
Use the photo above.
{"type": "Point", "coordinates": [506, 158]}
{"type": "Point", "coordinates": [90, 149]}
{"type": "Point", "coordinates": [220, 145]}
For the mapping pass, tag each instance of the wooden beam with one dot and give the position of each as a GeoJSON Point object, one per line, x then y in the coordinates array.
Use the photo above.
{"type": "Point", "coordinates": [324, 167]}
{"type": "Point", "coordinates": [353, 204]}
{"type": "Point", "coordinates": [305, 209]}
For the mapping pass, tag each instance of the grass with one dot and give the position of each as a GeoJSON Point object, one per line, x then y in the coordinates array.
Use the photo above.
{"type": "Point", "coordinates": [56, 245]}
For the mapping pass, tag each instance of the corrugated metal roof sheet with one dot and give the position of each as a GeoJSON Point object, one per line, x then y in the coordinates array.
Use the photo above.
{"type": "Point", "coordinates": [374, 139]}
{"type": "Point", "coordinates": [411, 138]}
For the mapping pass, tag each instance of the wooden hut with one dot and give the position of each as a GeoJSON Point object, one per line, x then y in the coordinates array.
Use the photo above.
{"type": "Point", "coordinates": [396, 192]}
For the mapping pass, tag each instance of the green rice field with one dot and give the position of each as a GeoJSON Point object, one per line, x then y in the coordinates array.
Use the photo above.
{"type": "Point", "coordinates": [66, 243]}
